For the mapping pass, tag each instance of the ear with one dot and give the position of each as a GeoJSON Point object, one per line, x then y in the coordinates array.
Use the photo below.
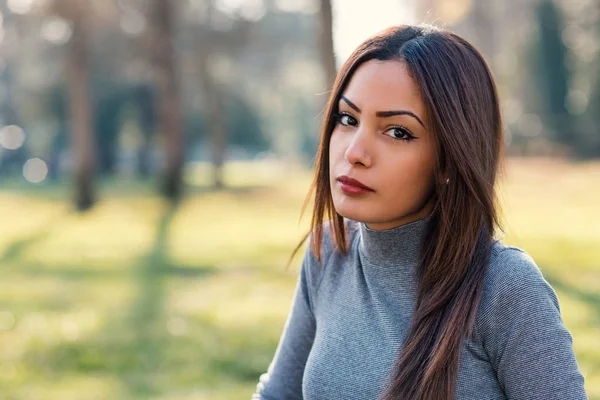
{"type": "Point", "coordinates": [442, 171]}
{"type": "Point", "coordinates": [444, 178]}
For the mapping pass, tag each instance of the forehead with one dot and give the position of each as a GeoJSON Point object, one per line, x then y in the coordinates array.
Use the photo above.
{"type": "Point", "coordinates": [384, 85]}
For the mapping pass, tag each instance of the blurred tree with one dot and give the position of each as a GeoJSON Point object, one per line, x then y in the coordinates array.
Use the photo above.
{"type": "Point", "coordinates": [590, 140]}
{"type": "Point", "coordinates": [56, 104]}
{"type": "Point", "coordinates": [551, 73]}
{"type": "Point", "coordinates": [145, 100]}
{"type": "Point", "coordinates": [244, 128]}
{"type": "Point", "coordinates": [582, 36]}
{"type": "Point", "coordinates": [109, 101]}
{"type": "Point", "coordinates": [263, 54]}
{"type": "Point", "coordinates": [213, 42]}
{"type": "Point", "coordinates": [80, 106]}
{"type": "Point", "coordinates": [160, 41]}
{"type": "Point", "coordinates": [326, 42]}
{"type": "Point", "coordinates": [219, 36]}
{"type": "Point", "coordinates": [213, 111]}
{"type": "Point", "coordinates": [10, 159]}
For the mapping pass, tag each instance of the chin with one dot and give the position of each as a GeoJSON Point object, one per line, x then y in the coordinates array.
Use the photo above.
{"type": "Point", "coordinates": [370, 212]}
{"type": "Point", "coordinates": [355, 212]}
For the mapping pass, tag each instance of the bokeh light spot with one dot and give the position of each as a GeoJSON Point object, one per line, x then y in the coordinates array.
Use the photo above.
{"type": "Point", "coordinates": [12, 137]}
{"type": "Point", "coordinates": [56, 30]}
{"type": "Point", "coordinates": [35, 170]}
{"type": "Point", "coordinates": [20, 6]}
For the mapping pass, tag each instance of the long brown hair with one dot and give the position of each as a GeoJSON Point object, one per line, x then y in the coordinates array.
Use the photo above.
{"type": "Point", "coordinates": [464, 117]}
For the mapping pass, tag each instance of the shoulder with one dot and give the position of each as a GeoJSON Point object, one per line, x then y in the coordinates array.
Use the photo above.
{"type": "Point", "coordinates": [514, 286]}
{"type": "Point", "coordinates": [508, 266]}
{"type": "Point", "coordinates": [511, 268]}
{"type": "Point", "coordinates": [329, 246]}
{"type": "Point", "coordinates": [330, 254]}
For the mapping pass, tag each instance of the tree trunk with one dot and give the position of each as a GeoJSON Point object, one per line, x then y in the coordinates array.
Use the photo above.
{"type": "Point", "coordinates": [169, 107]}
{"type": "Point", "coordinates": [145, 99]}
{"type": "Point", "coordinates": [215, 120]}
{"type": "Point", "coordinates": [326, 43]}
{"type": "Point", "coordinates": [84, 161]}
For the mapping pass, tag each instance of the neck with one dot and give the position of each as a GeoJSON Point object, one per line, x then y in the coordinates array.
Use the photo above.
{"type": "Point", "coordinates": [396, 246]}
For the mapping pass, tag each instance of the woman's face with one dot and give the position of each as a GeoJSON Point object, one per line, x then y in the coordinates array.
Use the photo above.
{"type": "Point", "coordinates": [381, 140]}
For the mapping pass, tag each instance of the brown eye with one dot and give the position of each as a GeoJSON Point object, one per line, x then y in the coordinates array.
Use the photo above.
{"type": "Point", "coordinates": [400, 133]}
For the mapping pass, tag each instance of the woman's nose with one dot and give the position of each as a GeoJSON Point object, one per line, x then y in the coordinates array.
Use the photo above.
{"type": "Point", "coordinates": [357, 152]}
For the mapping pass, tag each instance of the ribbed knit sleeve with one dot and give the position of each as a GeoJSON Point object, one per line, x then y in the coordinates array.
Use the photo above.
{"type": "Point", "coordinates": [523, 332]}
{"type": "Point", "coordinates": [283, 379]}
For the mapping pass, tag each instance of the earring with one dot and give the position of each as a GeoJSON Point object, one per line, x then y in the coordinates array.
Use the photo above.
{"type": "Point", "coordinates": [447, 181]}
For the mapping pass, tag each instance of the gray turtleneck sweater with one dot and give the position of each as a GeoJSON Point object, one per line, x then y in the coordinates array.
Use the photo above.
{"type": "Point", "coordinates": [351, 313]}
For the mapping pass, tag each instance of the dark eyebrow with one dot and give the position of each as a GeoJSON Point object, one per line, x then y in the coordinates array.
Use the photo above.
{"type": "Point", "coordinates": [385, 114]}
{"type": "Point", "coordinates": [351, 104]}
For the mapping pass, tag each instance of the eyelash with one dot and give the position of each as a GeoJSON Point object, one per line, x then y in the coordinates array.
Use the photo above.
{"type": "Point", "coordinates": [405, 131]}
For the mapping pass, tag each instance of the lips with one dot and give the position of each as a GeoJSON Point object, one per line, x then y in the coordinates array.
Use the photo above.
{"type": "Point", "coordinates": [352, 186]}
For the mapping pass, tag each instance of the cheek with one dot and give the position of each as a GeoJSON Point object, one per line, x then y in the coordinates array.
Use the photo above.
{"type": "Point", "coordinates": [337, 148]}
{"type": "Point", "coordinates": [411, 177]}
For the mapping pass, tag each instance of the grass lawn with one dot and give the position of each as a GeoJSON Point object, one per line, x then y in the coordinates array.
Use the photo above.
{"type": "Point", "coordinates": [137, 300]}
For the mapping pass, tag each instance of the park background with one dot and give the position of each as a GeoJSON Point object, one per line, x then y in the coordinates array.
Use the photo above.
{"type": "Point", "coordinates": [155, 155]}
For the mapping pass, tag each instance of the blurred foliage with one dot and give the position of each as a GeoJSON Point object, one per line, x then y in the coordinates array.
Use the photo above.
{"type": "Point", "coordinates": [244, 126]}
{"type": "Point", "coordinates": [257, 57]}
{"type": "Point", "coordinates": [545, 60]}
{"type": "Point", "coordinates": [550, 71]}
{"type": "Point", "coordinates": [112, 102]}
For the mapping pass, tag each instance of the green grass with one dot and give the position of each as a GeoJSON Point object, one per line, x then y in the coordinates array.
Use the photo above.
{"type": "Point", "coordinates": [137, 300]}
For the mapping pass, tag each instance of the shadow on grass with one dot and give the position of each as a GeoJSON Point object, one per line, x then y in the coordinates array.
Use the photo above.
{"type": "Point", "coordinates": [83, 274]}
{"type": "Point", "coordinates": [131, 345]}
{"type": "Point", "coordinates": [110, 187]}
{"type": "Point", "coordinates": [235, 190]}
{"type": "Point", "coordinates": [147, 312]}
{"type": "Point", "coordinates": [15, 249]}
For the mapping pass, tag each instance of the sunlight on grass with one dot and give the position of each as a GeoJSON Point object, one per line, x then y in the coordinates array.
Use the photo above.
{"type": "Point", "coordinates": [74, 387]}
{"type": "Point", "coordinates": [24, 216]}
{"type": "Point", "coordinates": [230, 230]}
{"type": "Point", "coordinates": [113, 234]}
{"type": "Point", "coordinates": [555, 201]}
{"type": "Point", "coordinates": [235, 298]}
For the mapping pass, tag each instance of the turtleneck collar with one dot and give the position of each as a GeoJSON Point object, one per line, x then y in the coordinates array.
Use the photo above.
{"type": "Point", "coordinates": [395, 246]}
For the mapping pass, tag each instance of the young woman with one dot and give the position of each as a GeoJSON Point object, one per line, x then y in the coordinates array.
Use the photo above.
{"type": "Point", "coordinates": [404, 293]}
